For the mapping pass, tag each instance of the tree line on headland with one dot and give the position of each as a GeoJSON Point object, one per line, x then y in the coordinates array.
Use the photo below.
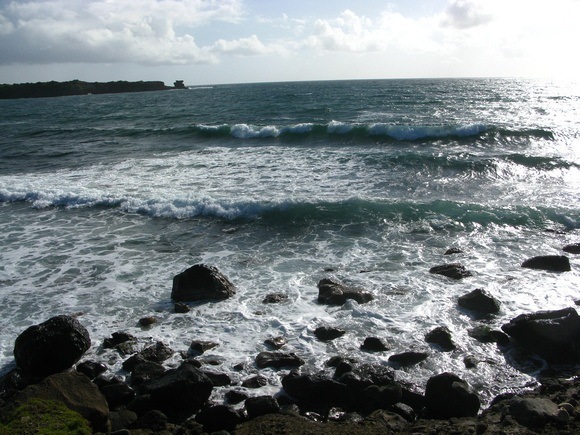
{"type": "Point", "coordinates": [78, 87]}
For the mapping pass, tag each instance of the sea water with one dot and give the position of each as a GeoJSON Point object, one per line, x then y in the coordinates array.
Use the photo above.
{"type": "Point", "coordinates": [104, 198]}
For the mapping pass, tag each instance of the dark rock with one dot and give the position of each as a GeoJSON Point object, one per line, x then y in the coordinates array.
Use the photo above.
{"type": "Point", "coordinates": [343, 367]}
{"type": "Point", "coordinates": [408, 358]}
{"type": "Point", "coordinates": [201, 282]}
{"type": "Point", "coordinates": [145, 372]}
{"type": "Point", "coordinates": [533, 413]}
{"type": "Point", "coordinates": [404, 410]}
{"type": "Point", "coordinates": [275, 298]}
{"type": "Point", "coordinates": [478, 300]}
{"type": "Point", "coordinates": [326, 333]}
{"type": "Point", "coordinates": [155, 421]}
{"type": "Point", "coordinates": [147, 321]}
{"type": "Point", "coordinates": [181, 390]}
{"type": "Point", "coordinates": [157, 352]}
{"type": "Point", "coordinates": [374, 344]}
{"type": "Point", "coordinates": [91, 369]}
{"type": "Point", "coordinates": [14, 381]}
{"type": "Point", "coordinates": [52, 346]}
{"type": "Point", "coordinates": [448, 396]}
{"type": "Point", "coordinates": [122, 419]}
{"type": "Point", "coordinates": [470, 362]}
{"type": "Point", "coordinates": [276, 342]}
{"type": "Point", "coordinates": [181, 308]}
{"type": "Point", "coordinates": [141, 404]}
{"type": "Point", "coordinates": [333, 293]}
{"type": "Point", "coordinates": [554, 335]}
{"type": "Point", "coordinates": [452, 251]}
{"type": "Point", "coordinates": [485, 334]}
{"type": "Point", "coordinates": [278, 360]}
{"type": "Point", "coordinates": [336, 360]}
{"type": "Point", "coordinates": [192, 427]}
{"type": "Point", "coordinates": [122, 341]}
{"type": "Point", "coordinates": [117, 394]}
{"type": "Point", "coordinates": [316, 389]}
{"type": "Point", "coordinates": [451, 270]}
{"type": "Point", "coordinates": [376, 397]}
{"type": "Point", "coordinates": [573, 248]}
{"type": "Point", "coordinates": [219, 417]}
{"type": "Point", "coordinates": [199, 347]}
{"type": "Point", "coordinates": [441, 336]}
{"type": "Point", "coordinates": [76, 391]}
{"type": "Point", "coordinates": [552, 263]}
{"type": "Point", "coordinates": [218, 379]}
{"type": "Point", "coordinates": [362, 375]}
{"type": "Point", "coordinates": [235, 397]}
{"type": "Point", "coordinates": [261, 405]}
{"type": "Point", "coordinates": [257, 381]}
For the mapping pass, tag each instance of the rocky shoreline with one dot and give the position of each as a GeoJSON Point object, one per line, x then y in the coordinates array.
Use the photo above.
{"type": "Point", "coordinates": [348, 396]}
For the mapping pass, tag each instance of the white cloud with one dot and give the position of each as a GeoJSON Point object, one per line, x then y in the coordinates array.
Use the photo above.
{"type": "Point", "coordinates": [464, 14]}
{"type": "Point", "coordinates": [250, 46]}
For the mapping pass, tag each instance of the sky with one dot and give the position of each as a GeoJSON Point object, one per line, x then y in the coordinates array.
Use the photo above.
{"type": "Point", "coordinates": [239, 41]}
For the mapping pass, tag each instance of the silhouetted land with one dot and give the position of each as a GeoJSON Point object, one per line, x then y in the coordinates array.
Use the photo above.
{"type": "Point", "coordinates": [77, 87]}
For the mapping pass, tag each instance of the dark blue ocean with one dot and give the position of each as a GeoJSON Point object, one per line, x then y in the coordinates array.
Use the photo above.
{"type": "Point", "coordinates": [104, 198]}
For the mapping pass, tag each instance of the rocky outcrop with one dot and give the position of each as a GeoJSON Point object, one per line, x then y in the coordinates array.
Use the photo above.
{"type": "Point", "coordinates": [408, 358]}
{"type": "Point", "coordinates": [448, 396]}
{"type": "Point", "coordinates": [441, 337]}
{"type": "Point", "coordinates": [201, 282]}
{"type": "Point", "coordinates": [331, 292]}
{"type": "Point", "coordinates": [551, 263]}
{"type": "Point", "coordinates": [278, 360]}
{"type": "Point", "coordinates": [374, 344]}
{"type": "Point", "coordinates": [451, 270]}
{"type": "Point", "coordinates": [554, 335]}
{"type": "Point", "coordinates": [51, 346]}
{"type": "Point", "coordinates": [327, 333]}
{"type": "Point", "coordinates": [479, 301]}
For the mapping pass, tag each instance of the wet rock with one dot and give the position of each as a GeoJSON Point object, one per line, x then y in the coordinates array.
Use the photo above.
{"type": "Point", "coordinates": [275, 298]}
{"type": "Point", "coordinates": [181, 308]}
{"type": "Point", "coordinates": [484, 334]}
{"type": "Point", "coordinates": [334, 293]}
{"type": "Point", "coordinates": [154, 421]}
{"type": "Point", "coordinates": [198, 347]}
{"type": "Point", "coordinates": [181, 390]}
{"type": "Point", "coordinates": [276, 342]}
{"type": "Point", "coordinates": [316, 389]}
{"type": "Point", "coordinates": [117, 394]}
{"type": "Point", "coordinates": [552, 263]}
{"type": "Point", "coordinates": [52, 346]}
{"type": "Point", "coordinates": [533, 413]}
{"type": "Point", "coordinates": [374, 344]}
{"type": "Point", "coordinates": [554, 335]}
{"type": "Point", "coordinates": [201, 282]}
{"type": "Point", "coordinates": [219, 417]}
{"type": "Point", "coordinates": [76, 391]}
{"type": "Point", "coordinates": [451, 270]}
{"type": "Point", "coordinates": [479, 301]}
{"type": "Point", "coordinates": [235, 397]}
{"type": "Point", "coordinates": [158, 353]}
{"type": "Point", "coordinates": [573, 248]}
{"type": "Point", "coordinates": [124, 342]}
{"type": "Point", "coordinates": [257, 381]}
{"type": "Point", "coordinates": [122, 419]}
{"type": "Point", "coordinates": [218, 379]}
{"type": "Point", "coordinates": [278, 360]}
{"type": "Point", "coordinates": [91, 369]}
{"type": "Point", "coordinates": [145, 372]}
{"type": "Point", "coordinates": [441, 336]}
{"type": "Point", "coordinates": [147, 321]}
{"type": "Point", "coordinates": [408, 358]}
{"type": "Point", "coordinates": [14, 381]}
{"type": "Point", "coordinates": [452, 251]}
{"type": "Point", "coordinates": [448, 396]}
{"type": "Point", "coordinates": [261, 405]}
{"type": "Point", "coordinates": [327, 333]}
{"type": "Point", "coordinates": [376, 397]}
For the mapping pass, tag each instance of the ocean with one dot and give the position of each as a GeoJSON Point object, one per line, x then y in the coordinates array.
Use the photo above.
{"type": "Point", "coordinates": [104, 198]}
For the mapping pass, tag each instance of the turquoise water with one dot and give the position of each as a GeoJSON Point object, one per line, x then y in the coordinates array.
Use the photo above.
{"type": "Point", "coordinates": [103, 198]}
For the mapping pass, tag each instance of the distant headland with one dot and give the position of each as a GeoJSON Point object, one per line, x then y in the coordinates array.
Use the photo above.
{"type": "Point", "coordinates": [78, 87]}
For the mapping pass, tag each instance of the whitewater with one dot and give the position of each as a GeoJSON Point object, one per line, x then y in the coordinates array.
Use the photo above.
{"type": "Point", "coordinates": [104, 198]}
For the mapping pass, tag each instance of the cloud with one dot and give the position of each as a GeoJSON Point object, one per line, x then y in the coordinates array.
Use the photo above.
{"type": "Point", "coordinates": [141, 31]}
{"type": "Point", "coordinates": [250, 46]}
{"type": "Point", "coordinates": [464, 14]}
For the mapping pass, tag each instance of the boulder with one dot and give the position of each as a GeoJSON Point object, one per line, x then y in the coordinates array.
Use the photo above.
{"type": "Point", "coordinates": [181, 308]}
{"type": "Point", "coordinates": [452, 251]}
{"type": "Point", "coordinates": [478, 300]}
{"type": "Point", "coordinates": [154, 422]}
{"type": "Point", "coordinates": [533, 412]}
{"type": "Point", "coordinates": [334, 293]}
{"type": "Point", "coordinates": [275, 298]}
{"type": "Point", "coordinates": [157, 352]}
{"type": "Point", "coordinates": [552, 263]}
{"type": "Point", "coordinates": [553, 335]}
{"type": "Point", "coordinates": [118, 394]}
{"type": "Point", "coordinates": [234, 397]}
{"type": "Point", "coordinates": [261, 405]}
{"type": "Point", "coordinates": [198, 347]}
{"type": "Point", "coordinates": [573, 248]}
{"type": "Point", "coordinates": [257, 381]}
{"type": "Point", "coordinates": [124, 342]}
{"type": "Point", "coordinates": [408, 358]}
{"type": "Point", "coordinates": [183, 390]}
{"type": "Point", "coordinates": [451, 270]}
{"type": "Point", "coordinates": [201, 282]}
{"type": "Point", "coordinates": [278, 360]}
{"type": "Point", "coordinates": [76, 391]}
{"type": "Point", "coordinates": [51, 346]}
{"type": "Point", "coordinates": [275, 342]}
{"type": "Point", "coordinates": [484, 334]}
{"type": "Point", "coordinates": [91, 369]}
{"type": "Point", "coordinates": [145, 372]}
{"type": "Point", "coordinates": [441, 336]}
{"type": "Point", "coordinates": [448, 396]}
{"type": "Point", "coordinates": [374, 344]}
{"type": "Point", "coordinates": [327, 333]}
{"type": "Point", "coordinates": [316, 389]}
{"type": "Point", "coordinates": [218, 418]}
